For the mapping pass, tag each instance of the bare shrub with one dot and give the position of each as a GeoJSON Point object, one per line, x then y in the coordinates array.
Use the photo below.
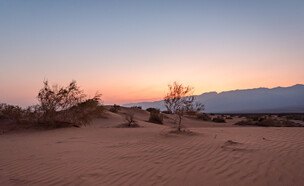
{"type": "Point", "coordinates": [295, 117]}
{"type": "Point", "coordinates": [115, 108]}
{"type": "Point", "coordinates": [166, 112]}
{"type": "Point", "coordinates": [229, 117]}
{"type": "Point", "coordinates": [66, 106]}
{"type": "Point", "coordinates": [219, 119]}
{"type": "Point", "coordinates": [11, 112]}
{"type": "Point", "coordinates": [245, 122]}
{"type": "Point", "coordinates": [83, 112]}
{"type": "Point", "coordinates": [32, 114]}
{"type": "Point", "coordinates": [16, 117]}
{"type": "Point", "coordinates": [156, 116]}
{"type": "Point", "coordinates": [203, 116]}
{"type": "Point", "coordinates": [58, 107]}
{"type": "Point", "coordinates": [152, 109]}
{"type": "Point", "coordinates": [129, 117]}
{"type": "Point", "coordinates": [137, 107]}
{"type": "Point", "coordinates": [268, 122]}
{"type": "Point", "coordinates": [180, 100]}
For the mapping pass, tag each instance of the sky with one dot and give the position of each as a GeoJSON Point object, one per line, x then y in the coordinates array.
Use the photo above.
{"type": "Point", "coordinates": [131, 50]}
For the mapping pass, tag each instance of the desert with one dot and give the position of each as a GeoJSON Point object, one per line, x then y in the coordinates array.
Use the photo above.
{"type": "Point", "coordinates": [102, 154]}
{"type": "Point", "coordinates": [151, 93]}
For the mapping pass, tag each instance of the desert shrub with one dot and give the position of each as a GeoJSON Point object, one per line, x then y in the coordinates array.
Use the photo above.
{"type": "Point", "coordinates": [58, 107]}
{"type": "Point", "coordinates": [115, 108]}
{"type": "Point", "coordinates": [295, 117]}
{"type": "Point", "coordinates": [56, 102]}
{"type": "Point", "coordinates": [166, 112]}
{"type": "Point", "coordinates": [11, 112]}
{"type": "Point", "coordinates": [256, 117]}
{"type": "Point", "coordinates": [219, 119]}
{"type": "Point", "coordinates": [191, 113]}
{"type": "Point", "coordinates": [1, 108]}
{"type": "Point", "coordinates": [288, 123]}
{"type": "Point", "coordinates": [32, 113]}
{"type": "Point", "coordinates": [179, 100]}
{"type": "Point", "coordinates": [137, 107]}
{"type": "Point", "coordinates": [203, 116]}
{"type": "Point", "coordinates": [269, 122]}
{"type": "Point", "coordinates": [194, 108]}
{"type": "Point", "coordinates": [130, 117]}
{"type": "Point", "coordinates": [156, 117]}
{"type": "Point", "coordinates": [244, 122]}
{"type": "Point", "coordinates": [85, 112]}
{"type": "Point", "coordinates": [152, 109]}
{"type": "Point", "coordinates": [18, 117]}
{"type": "Point", "coordinates": [66, 106]}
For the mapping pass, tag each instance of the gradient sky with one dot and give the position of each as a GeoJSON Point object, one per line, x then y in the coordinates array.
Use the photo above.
{"type": "Point", "coordinates": [130, 50]}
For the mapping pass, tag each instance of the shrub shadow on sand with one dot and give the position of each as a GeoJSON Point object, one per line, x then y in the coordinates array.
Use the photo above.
{"type": "Point", "coordinates": [171, 132]}
{"type": "Point", "coordinates": [126, 125]}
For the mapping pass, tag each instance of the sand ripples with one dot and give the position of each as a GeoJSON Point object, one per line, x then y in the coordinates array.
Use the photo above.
{"type": "Point", "coordinates": [213, 156]}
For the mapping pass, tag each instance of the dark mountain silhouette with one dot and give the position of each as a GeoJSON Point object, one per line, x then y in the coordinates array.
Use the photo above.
{"type": "Point", "coordinates": [258, 100]}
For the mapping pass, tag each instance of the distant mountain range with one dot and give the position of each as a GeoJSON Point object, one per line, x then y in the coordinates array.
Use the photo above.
{"type": "Point", "coordinates": [258, 100]}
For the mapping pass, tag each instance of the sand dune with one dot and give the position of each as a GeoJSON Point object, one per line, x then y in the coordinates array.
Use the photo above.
{"type": "Point", "coordinates": [101, 154]}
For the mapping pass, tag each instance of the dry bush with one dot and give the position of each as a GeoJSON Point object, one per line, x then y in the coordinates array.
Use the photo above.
{"type": "Point", "coordinates": [11, 112]}
{"type": "Point", "coordinates": [58, 107]}
{"type": "Point", "coordinates": [219, 119]}
{"type": "Point", "coordinates": [15, 117]}
{"type": "Point", "coordinates": [295, 117]}
{"type": "Point", "coordinates": [194, 109]}
{"type": "Point", "coordinates": [229, 117]}
{"type": "Point", "coordinates": [179, 100]}
{"type": "Point", "coordinates": [115, 108]}
{"type": "Point", "coordinates": [156, 117]}
{"type": "Point", "coordinates": [247, 122]}
{"type": "Point", "coordinates": [203, 116]}
{"type": "Point", "coordinates": [66, 106]}
{"type": "Point", "coordinates": [85, 111]}
{"type": "Point", "coordinates": [166, 112]}
{"type": "Point", "coordinates": [137, 107]}
{"type": "Point", "coordinates": [129, 117]}
{"type": "Point", "coordinates": [152, 109]}
{"type": "Point", "coordinates": [268, 122]}
{"type": "Point", "coordinates": [256, 117]}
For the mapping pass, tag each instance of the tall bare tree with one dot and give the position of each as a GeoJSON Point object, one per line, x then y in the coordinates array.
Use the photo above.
{"type": "Point", "coordinates": [180, 100]}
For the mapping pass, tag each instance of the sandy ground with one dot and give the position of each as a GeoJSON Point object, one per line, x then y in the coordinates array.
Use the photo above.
{"type": "Point", "coordinates": [101, 154]}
